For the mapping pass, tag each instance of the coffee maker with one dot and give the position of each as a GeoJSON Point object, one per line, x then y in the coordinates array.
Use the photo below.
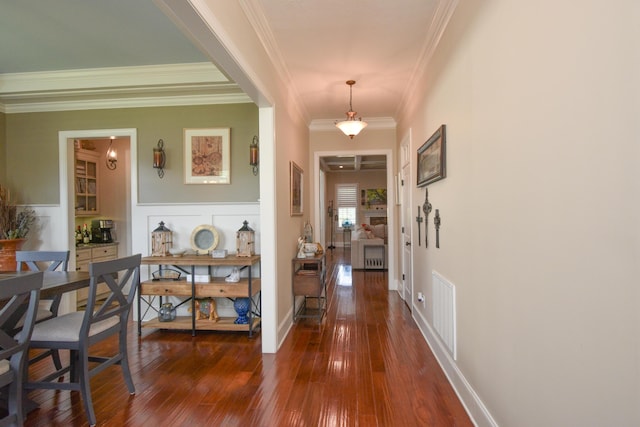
{"type": "Point", "coordinates": [101, 230]}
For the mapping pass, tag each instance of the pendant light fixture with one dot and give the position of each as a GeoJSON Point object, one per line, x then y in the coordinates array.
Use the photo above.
{"type": "Point", "coordinates": [352, 126]}
{"type": "Point", "coordinates": [112, 156]}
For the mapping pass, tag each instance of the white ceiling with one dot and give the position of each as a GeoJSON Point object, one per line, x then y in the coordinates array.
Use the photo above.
{"type": "Point", "coordinates": [377, 43]}
{"type": "Point", "coordinates": [318, 44]}
{"type": "Point", "coordinates": [44, 35]}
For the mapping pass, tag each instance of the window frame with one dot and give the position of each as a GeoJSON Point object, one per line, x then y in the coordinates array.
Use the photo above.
{"type": "Point", "coordinates": [355, 188]}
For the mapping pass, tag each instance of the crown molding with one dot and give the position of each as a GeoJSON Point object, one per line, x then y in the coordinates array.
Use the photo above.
{"type": "Point", "coordinates": [372, 123]}
{"type": "Point", "coordinates": [136, 102]}
{"type": "Point", "coordinates": [117, 87]}
{"type": "Point", "coordinates": [112, 77]}
{"type": "Point", "coordinates": [441, 17]}
{"type": "Point", "coordinates": [256, 16]}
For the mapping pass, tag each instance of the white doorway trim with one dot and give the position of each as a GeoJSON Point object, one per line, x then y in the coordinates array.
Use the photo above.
{"type": "Point", "coordinates": [391, 196]}
{"type": "Point", "coordinates": [66, 162]}
{"type": "Point", "coordinates": [64, 213]}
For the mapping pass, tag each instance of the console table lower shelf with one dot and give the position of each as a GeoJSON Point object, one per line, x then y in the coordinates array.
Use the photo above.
{"type": "Point", "coordinates": [217, 289]}
{"type": "Point", "coordinates": [184, 323]}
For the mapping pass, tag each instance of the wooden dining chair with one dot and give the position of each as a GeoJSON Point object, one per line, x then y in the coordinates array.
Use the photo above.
{"type": "Point", "coordinates": [78, 331]}
{"type": "Point", "coordinates": [48, 308]}
{"type": "Point", "coordinates": [20, 295]}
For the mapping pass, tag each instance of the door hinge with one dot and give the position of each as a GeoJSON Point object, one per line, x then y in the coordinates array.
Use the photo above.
{"type": "Point", "coordinates": [402, 229]}
{"type": "Point", "coordinates": [402, 276]}
{"type": "Point", "coordinates": [402, 182]}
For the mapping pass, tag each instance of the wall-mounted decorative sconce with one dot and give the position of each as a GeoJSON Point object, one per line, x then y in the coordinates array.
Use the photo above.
{"type": "Point", "coordinates": [159, 158]}
{"type": "Point", "coordinates": [253, 155]}
{"type": "Point", "coordinates": [112, 156]}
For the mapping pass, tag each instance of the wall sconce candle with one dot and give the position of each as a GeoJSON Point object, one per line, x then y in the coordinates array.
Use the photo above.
{"type": "Point", "coordinates": [112, 156]}
{"type": "Point", "coordinates": [253, 155]}
{"type": "Point", "coordinates": [159, 158]}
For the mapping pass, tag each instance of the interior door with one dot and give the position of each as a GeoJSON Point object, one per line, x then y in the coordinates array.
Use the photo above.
{"type": "Point", "coordinates": [405, 227]}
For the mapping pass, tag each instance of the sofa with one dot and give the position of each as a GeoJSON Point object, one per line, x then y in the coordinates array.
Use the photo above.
{"type": "Point", "coordinates": [369, 247]}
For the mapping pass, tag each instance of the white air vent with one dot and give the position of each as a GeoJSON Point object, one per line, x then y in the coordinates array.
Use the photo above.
{"type": "Point", "coordinates": [444, 311]}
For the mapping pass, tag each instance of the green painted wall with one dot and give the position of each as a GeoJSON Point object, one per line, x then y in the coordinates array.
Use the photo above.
{"type": "Point", "coordinates": [32, 150]}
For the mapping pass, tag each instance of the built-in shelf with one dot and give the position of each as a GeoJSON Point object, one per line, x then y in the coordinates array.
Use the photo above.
{"type": "Point", "coordinates": [86, 183]}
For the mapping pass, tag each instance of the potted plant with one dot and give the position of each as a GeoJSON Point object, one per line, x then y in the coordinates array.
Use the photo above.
{"type": "Point", "coordinates": [14, 228]}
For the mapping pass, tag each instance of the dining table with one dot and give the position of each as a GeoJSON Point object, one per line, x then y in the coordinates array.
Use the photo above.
{"type": "Point", "coordinates": [56, 282]}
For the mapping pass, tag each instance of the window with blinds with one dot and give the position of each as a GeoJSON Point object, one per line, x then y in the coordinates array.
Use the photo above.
{"type": "Point", "coordinates": [347, 203]}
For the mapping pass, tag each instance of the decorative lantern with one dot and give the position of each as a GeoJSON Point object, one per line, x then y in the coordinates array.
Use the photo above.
{"type": "Point", "coordinates": [167, 312]}
{"type": "Point", "coordinates": [245, 238]}
{"type": "Point", "coordinates": [161, 241]}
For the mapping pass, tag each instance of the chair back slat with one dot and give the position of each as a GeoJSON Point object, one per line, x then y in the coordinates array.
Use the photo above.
{"type": "Point", "coordinates": [20, 296]}
{"type": "Point", "coordinates": [15, 292]}
{"type": "Point", "coordinates": [117, 274]}
{"type": "Point", "coordinates": [43, 260]}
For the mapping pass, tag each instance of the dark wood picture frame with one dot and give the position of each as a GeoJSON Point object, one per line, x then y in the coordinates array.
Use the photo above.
{"type": "Point", "coordinates": [295, 186]}
{"type": "Point", "coordinates": [432, 158]}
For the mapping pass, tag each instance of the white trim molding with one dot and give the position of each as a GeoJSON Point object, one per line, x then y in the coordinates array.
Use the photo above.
{"type": "Point", "coordinates": [118, 87]}
{"type": "Point", "coordinates": [476, 409]}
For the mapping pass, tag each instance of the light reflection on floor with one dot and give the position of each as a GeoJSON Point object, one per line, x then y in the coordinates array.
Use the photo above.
{"type": "Point", "coordinates": [343, 277]}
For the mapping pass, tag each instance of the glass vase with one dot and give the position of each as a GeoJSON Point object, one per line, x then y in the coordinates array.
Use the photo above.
{"type": "Point", "coordinates": [167, 312]}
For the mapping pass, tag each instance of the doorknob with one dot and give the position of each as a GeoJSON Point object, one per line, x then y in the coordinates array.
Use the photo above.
{"type": "Point", "coordinates": [407, 243]}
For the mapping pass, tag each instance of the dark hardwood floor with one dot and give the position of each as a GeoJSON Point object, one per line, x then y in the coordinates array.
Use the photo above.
{"type": "Point", "coordinates": [367, 364]}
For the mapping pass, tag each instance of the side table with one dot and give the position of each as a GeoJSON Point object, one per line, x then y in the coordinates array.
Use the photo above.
{"type": "Point", "coordinates": [346, 237]}
{"type": "Point", "coordinates": [308, 280]}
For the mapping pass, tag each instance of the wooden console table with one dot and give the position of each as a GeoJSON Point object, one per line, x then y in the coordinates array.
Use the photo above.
{"type": "Point", "coordinates": [247, 287]}
{"type": "Point", "coordinates": [308, 280]}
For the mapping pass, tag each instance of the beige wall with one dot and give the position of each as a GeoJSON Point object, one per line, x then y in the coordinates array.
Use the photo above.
{"type": "Point", "coordinates": [540, 206]}
{"type": "Point", "coordinates": [33, 150]}
{"type": "Point", "coordinates": [284, 138]}
{"type": "Point", "coordinates": [3, 148]}
{"type": "Point", "coordinates": [290, 146]}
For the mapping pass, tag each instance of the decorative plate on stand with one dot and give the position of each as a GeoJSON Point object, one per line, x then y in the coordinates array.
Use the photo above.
{"type": "Point", "coordinates": [204, 239]}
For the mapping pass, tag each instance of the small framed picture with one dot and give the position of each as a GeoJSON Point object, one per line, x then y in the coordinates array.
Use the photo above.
{"type": "Point", "coordinates": [207, 156]}
{"type": "Point", "coordinates": [295, 183]}
{"type": "Point", "coordinates": [432, 159]}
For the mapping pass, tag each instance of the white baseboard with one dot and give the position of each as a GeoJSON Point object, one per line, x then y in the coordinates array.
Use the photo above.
{"type": "Point", "coordinates": [478, 412]}
{"type": "Point", "coordinates": [284, 328]}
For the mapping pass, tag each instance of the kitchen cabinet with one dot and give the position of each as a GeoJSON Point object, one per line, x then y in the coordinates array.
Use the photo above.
{"type": "Point", "coordinates": [93, 253]}
{"type": "Point", "coordinates": [155, 290]}
{"type": "Point", "coordinates": [86, 183]}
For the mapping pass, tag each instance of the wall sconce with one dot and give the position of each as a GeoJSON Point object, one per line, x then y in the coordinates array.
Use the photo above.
{"type": "Point", "coordinates": [111, 157]}
{"type": "Point", "coordinates": [253, 155]}
{"type": "Point", "coordinates": [159, 158]}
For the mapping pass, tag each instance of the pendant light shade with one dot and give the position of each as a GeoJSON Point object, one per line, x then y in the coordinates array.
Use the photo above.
{"type": "Point", "coordinates": [352, 126]}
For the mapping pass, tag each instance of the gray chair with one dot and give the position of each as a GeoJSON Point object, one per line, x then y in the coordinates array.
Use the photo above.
{"type": "Point", "coordinates": [78, 331]}
{"type": "Point", "coordinates": [47, 309]}
{"type": "Point", "coordinates": [19, 294]}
